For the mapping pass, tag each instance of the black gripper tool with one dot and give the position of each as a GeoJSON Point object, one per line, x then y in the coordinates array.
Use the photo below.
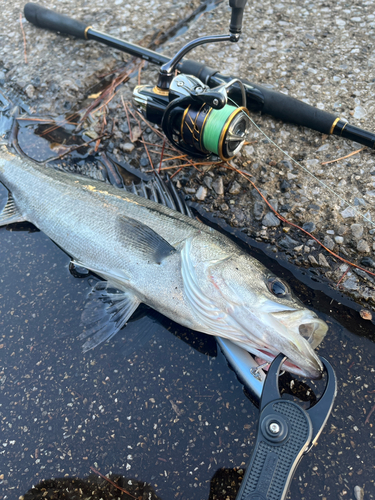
{"type": "Point", "coordinates": [286, 432]}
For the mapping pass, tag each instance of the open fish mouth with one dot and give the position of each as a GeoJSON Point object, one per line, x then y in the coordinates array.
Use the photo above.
{"type": "Point", "coordinates": [298, 333]}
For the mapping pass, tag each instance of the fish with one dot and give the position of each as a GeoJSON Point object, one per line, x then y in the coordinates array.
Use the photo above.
{"type": "Point", "coordinates": [147, 253]}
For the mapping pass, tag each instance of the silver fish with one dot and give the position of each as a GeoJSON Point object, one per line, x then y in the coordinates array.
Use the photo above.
{"type": "Point", "coordinates": [148, 253]}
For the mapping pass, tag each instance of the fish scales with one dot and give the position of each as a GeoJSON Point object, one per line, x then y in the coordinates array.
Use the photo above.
{"type": "Point", "coordinates": [155, 255]}
{"type": "Point", "coordinates": [79, 215]}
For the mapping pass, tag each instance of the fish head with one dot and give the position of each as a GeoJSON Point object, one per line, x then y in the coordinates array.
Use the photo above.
{"type": "Point", "coordinates": [239, 299]}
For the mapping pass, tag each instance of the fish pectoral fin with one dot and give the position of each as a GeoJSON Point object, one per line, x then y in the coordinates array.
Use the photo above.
{"type": "Point", "coordinates": [105, 313]}
{"type": "Point", "coordinates": [10, 213]}
{"type": "Point", "coordinates": [144, 239]}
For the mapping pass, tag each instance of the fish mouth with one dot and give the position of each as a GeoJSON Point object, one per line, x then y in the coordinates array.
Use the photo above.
{"type": "Point", "coordinates": [296, 333]}
{"type": "Point", "coordinates": [302, 332]}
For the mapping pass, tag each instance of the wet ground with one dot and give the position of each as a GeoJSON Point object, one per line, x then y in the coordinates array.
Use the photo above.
{"type": "Point", "coordinates": [171, 413]}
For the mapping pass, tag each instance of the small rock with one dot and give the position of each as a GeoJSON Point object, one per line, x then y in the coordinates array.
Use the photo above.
{"type": "Point", "coordinates": [359, 112]}
{"type": "Point", "coordinates": [328, 242]}
{"type": "Point", "coordinates": [288, 242]}
{"type": "Point", "coordinates": [314, 207]}
{"type": "Point", "coordinates": [257, 196]}
{"type": "Point", "coordinates": [348, 213]}
{"type": "Point", "coordinates": [306, 249]}
{"type": "Point", "coordinates": [368, 262]}
{"type": "Point", "coordinates": [189, 190]}
{"type": "Point", "coordinates": [358, 493]}
{"type": "Point", "coordinates": [285, 163]}
{"type": "Point", "coordinates": [290, 176]}
{"type": "Point", "coordinates": [339, 240]}
{"type": "Point", "coordinates": [235, 188]}
{"type": "Point", "coordinates": [298, 249]}
{"type": "Point", "coordinates": [359, 201]}
{"type": "Point", "coordinates": [313, 260]}
{"type": "Point", "coordinates": [127, 147]}
{"type": "Point", "coordinates": [363, 246]}
{"type": "Point", "coordinates": [364, 275]}
{"type": "Point", "coordinates": [284, 186]}
{"type": "Point", "coordinates": [323, 261]}
{"type": "Point", "coordinates": [342, 230]}
{"type": "Point", "coordinates": [270, 220]}
{"type": "Point", "coordinates": [208, 181]}
{"type": "Point", "coordinates": [365, 314]}
{"type": "Point", "coordinates": [218, 186]}
{"type": "Point", "coordinates": [357, 230]}
{"type": "Point", "coordinates": [248, 151]}
{"type": "Point", "coordinates": [136, 133]}
{"type": "Point", "coordinates": [30, 91]}
{"type": "Point", "coordinates": [351, 283]}
{"type": "Point", "coordinates": [274, 204]}
{"type": "Point", "coordinates": [310, 227]}
{"type": "Point", "coordinates": [201, 193]}
{"type": "Point", "coordinates": [313, 163]}
{"type": "Point", "coordinates": [124, 127]}
{"type": "Point", "coordinates": [258, 210]}
{"type": "Point", "coordinates": [224, 207]}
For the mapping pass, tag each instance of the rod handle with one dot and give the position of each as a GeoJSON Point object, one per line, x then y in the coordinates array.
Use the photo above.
{"type": "Point", "coordinates": [51, 20]}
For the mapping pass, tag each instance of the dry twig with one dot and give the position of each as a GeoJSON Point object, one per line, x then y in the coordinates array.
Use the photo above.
{"type": "Point", "coordinates": [24, 39]}
{"type": "Point", "coordinates": [369, 415]}
{"type": "Point", "coordinates": [343, 157]}
{"type": "Point", "coordinates": [161, 156]}
{"type": "Point", "coordinates": [111, 482]}
{"type": "Point", "coordinates": [78, 147]}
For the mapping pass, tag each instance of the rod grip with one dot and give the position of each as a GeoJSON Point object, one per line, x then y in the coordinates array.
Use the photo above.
{"type": "Point", "coordinates": [289, 109]}
{"type": "Point", "coordinates": [50, 20]}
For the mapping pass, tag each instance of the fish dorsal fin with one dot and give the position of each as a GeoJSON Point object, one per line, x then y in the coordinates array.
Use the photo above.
{"type": "Point", "coordinates": [10, 213]}
{"type": "Point", "coordinates": [143, 239]}
{"type": "Point", "coordinates": [105, 313]}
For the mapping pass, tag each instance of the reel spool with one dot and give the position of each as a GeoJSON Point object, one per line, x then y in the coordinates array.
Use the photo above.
{"type": "Point", "coordinates": [196, 119]}
{"type": "Point", "coordinates": [218, 131]}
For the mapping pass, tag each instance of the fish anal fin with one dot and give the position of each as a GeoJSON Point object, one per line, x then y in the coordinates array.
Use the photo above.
{"type": "Point", "coordinates": [144, 239]}
{"type": "Point", "coordinates": [10, 213]}
{"type": "Point", "coordinates": [105, 313]}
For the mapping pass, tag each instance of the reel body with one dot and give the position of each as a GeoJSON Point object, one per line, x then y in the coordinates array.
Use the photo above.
{"type": "Point", "coordinates": [197, 119]}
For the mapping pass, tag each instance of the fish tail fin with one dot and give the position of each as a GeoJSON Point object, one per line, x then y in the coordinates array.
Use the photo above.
{"type": "Point", "coordinates": [10, 213]}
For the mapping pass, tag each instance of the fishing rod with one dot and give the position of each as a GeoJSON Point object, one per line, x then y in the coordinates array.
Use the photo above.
{"type": "Point", "coordinates": [201, 111]}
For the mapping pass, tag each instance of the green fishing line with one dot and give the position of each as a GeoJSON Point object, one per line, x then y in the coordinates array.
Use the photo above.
{"type": "Point", "coordinates": [214, 127]}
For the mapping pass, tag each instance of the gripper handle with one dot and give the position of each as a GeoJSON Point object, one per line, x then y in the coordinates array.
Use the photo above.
{"type": "Point", "coordinates": [284, 435]}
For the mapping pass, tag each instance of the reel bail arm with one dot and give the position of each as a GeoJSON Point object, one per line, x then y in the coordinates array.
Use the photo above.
{"type": "Point", "coordinates": [168, 69]}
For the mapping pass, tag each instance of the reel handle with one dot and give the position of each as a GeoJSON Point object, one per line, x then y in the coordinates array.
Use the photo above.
{"type": "Point", "coordinates": [238, 7]}
{"type": "Point", "coordinates": [50, 20]}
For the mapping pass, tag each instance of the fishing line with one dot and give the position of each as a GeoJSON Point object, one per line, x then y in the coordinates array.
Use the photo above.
{"type": "Point", "coordinates": [306, 169]}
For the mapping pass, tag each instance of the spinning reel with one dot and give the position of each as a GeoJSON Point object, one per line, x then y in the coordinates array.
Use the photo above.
{"type": "Point", "coordinates": [199, 120]}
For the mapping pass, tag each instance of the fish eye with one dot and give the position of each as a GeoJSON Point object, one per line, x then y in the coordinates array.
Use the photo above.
{"type": "Point", "coordinates": [277, 287]}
